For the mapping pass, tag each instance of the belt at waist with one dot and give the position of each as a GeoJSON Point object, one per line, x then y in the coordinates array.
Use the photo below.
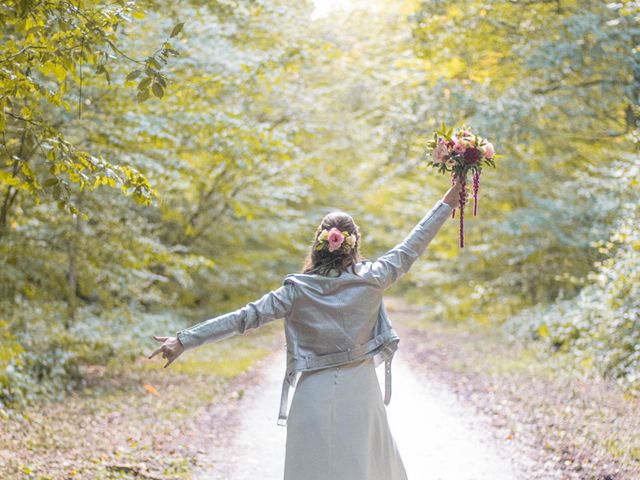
{"type": "Point", "coordinates": [284, 397]}
{"type": "Point", "coordinates": [388, 339]}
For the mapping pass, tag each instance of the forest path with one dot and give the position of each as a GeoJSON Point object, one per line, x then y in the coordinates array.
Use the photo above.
{"type": "Point", "coordinates": [438, 438]}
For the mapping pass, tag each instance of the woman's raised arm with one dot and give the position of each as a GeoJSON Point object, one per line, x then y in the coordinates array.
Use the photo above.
{"type": "Point", "coordinates": [396, 262]}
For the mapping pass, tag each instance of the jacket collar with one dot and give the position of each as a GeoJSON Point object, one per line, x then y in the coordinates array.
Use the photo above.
{"type": "Point", "coordinates": [325, 284]}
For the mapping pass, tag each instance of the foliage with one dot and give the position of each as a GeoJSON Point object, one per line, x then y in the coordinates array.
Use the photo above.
{"type": "Point", "coordinates": [47, 358]}
{"type": "Point", "coordinates": [216, 151]}
{"type": "Point", "coordinates": [601, 325]}
{"type": "Point", "coordinates": [554, 84]}
{"type": "Point", "coordinates": [53, 52]}
{"type": "Point", "coordinates": [239, 129]}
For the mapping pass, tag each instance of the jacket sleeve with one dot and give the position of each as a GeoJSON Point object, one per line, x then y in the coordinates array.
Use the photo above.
{"type": "Point", "coordinates": [271, 306]}
{"type": "Point", "coordinates": [396, 262]}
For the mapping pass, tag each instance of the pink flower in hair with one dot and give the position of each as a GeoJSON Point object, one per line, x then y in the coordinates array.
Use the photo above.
{"type": "Point", "coordinates": [335, 239]}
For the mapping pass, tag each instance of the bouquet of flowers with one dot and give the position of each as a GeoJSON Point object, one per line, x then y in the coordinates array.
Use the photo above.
{"type": "Point", "coordinates": [460, 152]}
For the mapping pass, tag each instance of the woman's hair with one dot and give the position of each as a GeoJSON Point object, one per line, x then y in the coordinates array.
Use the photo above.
{"type": "Point", "coordinates": [322, 261]}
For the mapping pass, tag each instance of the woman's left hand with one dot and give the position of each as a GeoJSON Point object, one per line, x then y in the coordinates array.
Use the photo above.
{"type": "Point", "coordinates": [171, 348]}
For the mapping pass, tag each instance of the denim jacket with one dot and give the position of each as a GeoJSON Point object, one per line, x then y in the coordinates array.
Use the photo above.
{"type": "Point", "coordinates": [329, 320]}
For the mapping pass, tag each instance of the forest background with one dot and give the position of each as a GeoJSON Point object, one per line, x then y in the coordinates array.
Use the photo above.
{"type": "Point", "coordinates": [162, 162]}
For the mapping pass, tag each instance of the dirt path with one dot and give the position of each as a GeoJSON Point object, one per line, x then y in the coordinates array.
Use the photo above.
{"type": "Point", "coordinates": [437, 437]}
{"type": "Point", "coordinates": [255, 448]}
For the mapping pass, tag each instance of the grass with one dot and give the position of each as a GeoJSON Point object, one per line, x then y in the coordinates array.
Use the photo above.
{"type": "Point", "coordinates": [227, 358]}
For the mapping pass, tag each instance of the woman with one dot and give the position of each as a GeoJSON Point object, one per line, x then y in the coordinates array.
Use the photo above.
{"type": "Point", "coordinates": [337, 333]}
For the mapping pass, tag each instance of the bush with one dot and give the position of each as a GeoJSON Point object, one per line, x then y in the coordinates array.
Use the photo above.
{"type": "Point", "coordinates": [601, 325]}
{"type": "Point", "coordinates": [43, 359]}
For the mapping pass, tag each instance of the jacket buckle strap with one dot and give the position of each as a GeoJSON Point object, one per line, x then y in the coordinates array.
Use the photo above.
{"type": "Point", "coordinates": [387, 380]}
{"type": "Point", "coordinates": [282, 414]}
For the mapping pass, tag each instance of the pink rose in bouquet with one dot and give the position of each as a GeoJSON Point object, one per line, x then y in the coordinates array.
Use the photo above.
{"type": "Point", "coordinates": [488, 150]}
{"type": "Point", "coordinates": [460, 152]}
{"type": "Point", "coordinates": [441, 152]}
{"type": "Point", "coordinates": [459, 146]}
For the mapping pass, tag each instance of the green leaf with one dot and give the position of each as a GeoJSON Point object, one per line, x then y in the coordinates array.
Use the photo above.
{"type": "Point", "coordinates": [543, 330]}
{"type": "Point", "coordinates": [152, 62]}
{"type": "Point", "coordinates": [143, 95]}
{"type": "Point", "coordinates": [144, 83]}
{"type": "Point", "coordinates": [177, 29]}
{"type": "Point", "coordinates": [133, 75]}
{"type": "Point", "coordinates": [157, 90]}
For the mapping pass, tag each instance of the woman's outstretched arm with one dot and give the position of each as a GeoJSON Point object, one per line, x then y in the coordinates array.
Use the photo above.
{"type": "Point", "coordinates": [271, 306]}
{"type": "Point", "coordinates": [396, 262]}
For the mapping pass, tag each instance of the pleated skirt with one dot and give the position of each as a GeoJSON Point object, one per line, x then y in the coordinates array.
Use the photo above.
{"type": "Point", "coordinates": [338, 429]}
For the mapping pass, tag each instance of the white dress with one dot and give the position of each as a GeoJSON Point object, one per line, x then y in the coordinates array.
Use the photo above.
{"type": "Point", "coordinates": [338, 429]}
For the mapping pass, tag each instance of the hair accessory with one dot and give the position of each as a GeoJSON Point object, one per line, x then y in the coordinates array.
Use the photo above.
{"type": "Point", "coordinates": [334, 240]}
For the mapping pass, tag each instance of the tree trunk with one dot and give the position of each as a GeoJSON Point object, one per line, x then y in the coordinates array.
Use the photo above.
{"type": "Point", "coordinates": [72, 272]}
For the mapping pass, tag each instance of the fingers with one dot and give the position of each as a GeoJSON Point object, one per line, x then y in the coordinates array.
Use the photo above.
{"type": "Point", "coordinates": [171, 355]}
{"type": "Point", "coordinates": [156, 351]}
{"type": "Point", "coordinates": [170, 361]}
{"type": "Point", "coordinates": [160, 348]}
{"type": "Point", "coordinates": [166, 350]}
